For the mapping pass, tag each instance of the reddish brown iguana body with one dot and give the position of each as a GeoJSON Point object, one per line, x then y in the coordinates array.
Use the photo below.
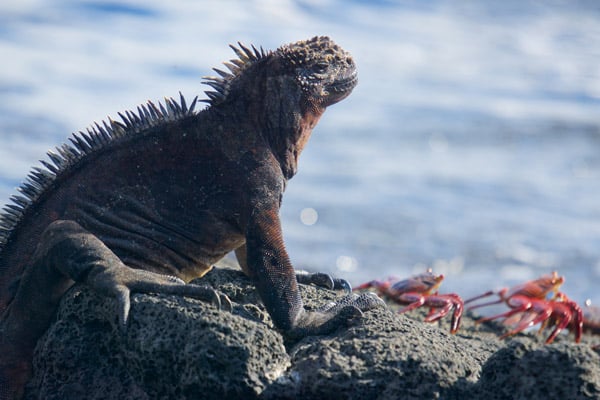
{"type": "Point", "coordinates": [152, 202]}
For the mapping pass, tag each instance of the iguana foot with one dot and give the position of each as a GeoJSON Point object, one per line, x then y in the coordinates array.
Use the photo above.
{"type": "Point", "coordinates": [82, 257]}
{"type": "Point", "coordinates": [322, 279]}
{"type": "Point", "coordinates": [343, 313]}
{"type": "Point", "coordinates": [118, 281]}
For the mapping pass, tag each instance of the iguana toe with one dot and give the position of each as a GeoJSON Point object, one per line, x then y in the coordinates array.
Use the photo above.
{"type": "Point", "coordinates": [316, 278]}
{"type": "Point", "coordinates": [119, 281]}
{"type": "Point", "coordinates": [225, 302]}
{"type": "Point", "coordinates": [324, 280]}
{"type": "Point", "coordinates": [364, 302]}
{"type": "Point", "coordinates": [342, 284]}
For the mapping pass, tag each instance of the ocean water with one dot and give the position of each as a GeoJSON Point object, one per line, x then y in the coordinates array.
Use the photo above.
{"type": "Point", "coordinates": [471, 144]}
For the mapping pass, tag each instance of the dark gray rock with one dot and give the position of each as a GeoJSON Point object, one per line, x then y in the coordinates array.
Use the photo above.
{"type": "Point", "coordinates": [526, 369]}
{"type": "Point", "coordinates": [173, 348]}
{"type": "Point", "coordinates": [179, 348]}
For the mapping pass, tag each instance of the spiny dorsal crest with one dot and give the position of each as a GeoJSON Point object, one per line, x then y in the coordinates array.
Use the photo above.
{"type": "Point", "coordinates": [222, 83]}
{"type": "Point", "coordinates": [83, 143]}
{"type": "Point", "coordinates": [295, 54]}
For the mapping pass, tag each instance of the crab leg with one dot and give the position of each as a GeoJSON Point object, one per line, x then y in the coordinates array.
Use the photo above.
{"type": "Point", "coordinates": [414, 300]}
{"type": "Point", "coordinates": [501, 298]}
{"type": "Point", "coordinates": [517, 303]}
{"type": "Point", "coordinates": [444, 304]}
{"type": "Point", "coordinates": [380, 285]}
{"type": "Point", "coordinates": [538, 311]}
{"type": "Point", "coordinates": [481, 296]}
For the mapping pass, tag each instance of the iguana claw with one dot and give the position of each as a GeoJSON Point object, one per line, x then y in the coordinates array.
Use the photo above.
{"type": "Point", "coordinates": [342, 284]}
{"type": "Point", "coordinates": [224, 302]}
{"type": "Point", "coordinates": [324, 280]}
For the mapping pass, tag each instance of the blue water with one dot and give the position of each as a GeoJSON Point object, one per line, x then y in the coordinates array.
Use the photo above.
{"type": "Point", "coordinates": [471, 144]}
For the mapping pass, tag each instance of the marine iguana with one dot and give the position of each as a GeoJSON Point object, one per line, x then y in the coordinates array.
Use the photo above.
{"type": "Point", "coordinates": [153, 201]}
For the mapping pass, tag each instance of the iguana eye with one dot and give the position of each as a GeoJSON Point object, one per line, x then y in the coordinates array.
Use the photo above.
{"type": "Point", "coordinates": [320, 67]}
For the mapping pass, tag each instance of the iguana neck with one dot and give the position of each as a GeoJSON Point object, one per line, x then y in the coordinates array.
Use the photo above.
{"type": "Point", "coordinates": [277, 111]}
{"type": "Point", "coordinates": [288, 135]}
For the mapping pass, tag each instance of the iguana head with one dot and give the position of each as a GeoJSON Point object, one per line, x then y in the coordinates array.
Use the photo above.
{"type": "Point", "coordinates": [325, 72]}
{"type": "Point", "coordinates": [316, 69]}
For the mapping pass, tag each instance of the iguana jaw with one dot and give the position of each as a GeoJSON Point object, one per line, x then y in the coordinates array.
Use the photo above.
{"type": "Point", "coordinates": [340, 89]}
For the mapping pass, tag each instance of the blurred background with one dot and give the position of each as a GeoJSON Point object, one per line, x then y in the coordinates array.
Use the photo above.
{"type": "Point", "coordinates": [471, 144]}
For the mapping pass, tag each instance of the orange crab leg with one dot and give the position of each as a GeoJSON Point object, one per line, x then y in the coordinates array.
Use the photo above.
{"type": "Point", "coordinates": [481, 296]}
{"type": "Point", "coordinates": [564, 318]}
{"type": "Point", "coordinates": [517, 303]}
{"type": "Point", "coordinates": [538, 311]}
{"type": "Point", "coordinates": [501, 298]}
{"type": "Point", "coordinates": [414, 300]}
{"type": "Point", "coordinates": [562, 313]}
{"type": "Point", "coordinates": [441, 305]}
{"type": "Point", "coordinates": [379, 285]}
{"type": "Point", "coordinates": [577, 315]}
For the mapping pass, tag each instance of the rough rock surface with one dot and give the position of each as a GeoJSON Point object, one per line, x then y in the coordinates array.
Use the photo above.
{"type": "Point", "coordinates": [179, 348]}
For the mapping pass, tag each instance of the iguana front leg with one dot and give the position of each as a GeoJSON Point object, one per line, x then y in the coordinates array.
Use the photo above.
{"type": "Point", "coordinates": [320, 279]}
{"type": "Point", "coordinates": [67, 254]}
{"type": "Point", "coordinates": [269, 267]}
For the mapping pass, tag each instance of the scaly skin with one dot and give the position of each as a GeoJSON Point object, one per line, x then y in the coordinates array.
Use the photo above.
{"type": "Point", "coordinates": [151, 203]}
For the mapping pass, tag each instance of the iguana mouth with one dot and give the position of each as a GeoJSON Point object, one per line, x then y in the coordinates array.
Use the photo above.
{"type": "Point", "coordinates": [345, 84]}
{"type": "Point", "coordinates": [341, 88]}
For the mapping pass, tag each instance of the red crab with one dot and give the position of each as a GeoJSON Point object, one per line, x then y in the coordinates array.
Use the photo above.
{"type": "Point", "coordinates": [421, 290]}
{"type": "Point", "coordinates": [530, 305]}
